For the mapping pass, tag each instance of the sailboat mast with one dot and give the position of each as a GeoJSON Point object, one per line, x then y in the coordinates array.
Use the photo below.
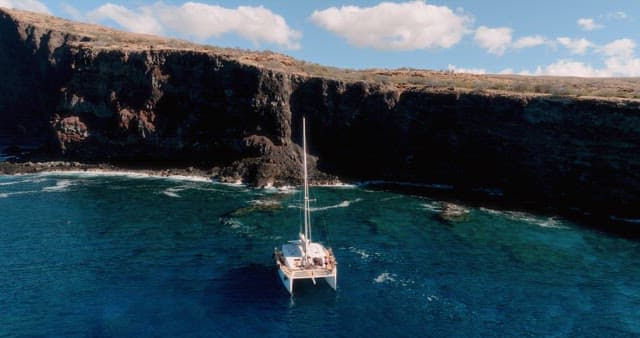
{"type": "Point", "coordinates": [307, 214]}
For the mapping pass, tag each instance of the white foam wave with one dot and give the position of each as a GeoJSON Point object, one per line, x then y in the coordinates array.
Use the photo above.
{"type": "Point", "coordinates": [31, 180]}
{"type": "Point", "coordinates": [545, 222]}
{"type": "Point", "coordinates": [392, 278]}
{"type": "Point", "coordinates": [336, 184]}
{"type": "Point", "coordinates": [173, 192]}
{"type": "Point", "coordinates": [286, 189]}
{"type": "Point", "coordinates": [385, 277]}
{"type": "Point", "coordinates": [343, 204]}
{"type": "Point", "coordinates": [550, 222]}
{"type": "Point", "coordinates": [234, 223]}
{"type": "Point", "coordinates": [492, 211]}
{"type": "Point", "coordinates": [360, 252]}
{"type": "Point", "coordinates": [119, 173]}
{"type": "Point", "coordinates": [264, 202]}
{"type": "Point", "coordinates": [188, 178]}
{"type": "Point", "coordinates": [238, 226]}
{"type": "Point", "coordinates": [433, 206]}
{"type": "Point", "coordinates": [236, 183]}
{"type": "Point", "coordinates": [9, 194]}
{"type": "Point", "coordinates": [61, 185]}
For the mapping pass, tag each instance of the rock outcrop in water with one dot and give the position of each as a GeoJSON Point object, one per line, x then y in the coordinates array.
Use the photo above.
{"type": "Point", "coordinates": [87, 93]}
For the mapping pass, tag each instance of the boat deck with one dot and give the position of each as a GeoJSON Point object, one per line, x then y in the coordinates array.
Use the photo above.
{"type": "Point", "coordinates": [291, 264]}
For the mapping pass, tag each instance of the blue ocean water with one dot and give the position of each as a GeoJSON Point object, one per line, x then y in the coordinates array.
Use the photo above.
{"type": "Point", "coordinates": [122, 256]}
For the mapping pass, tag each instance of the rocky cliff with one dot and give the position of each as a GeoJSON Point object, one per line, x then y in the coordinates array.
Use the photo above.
{"type": "Point", "coordinates": [88, 93]}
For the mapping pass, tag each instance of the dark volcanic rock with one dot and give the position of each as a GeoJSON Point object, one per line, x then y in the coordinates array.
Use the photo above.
{"type": "Point", "coordinates": [98, 95]}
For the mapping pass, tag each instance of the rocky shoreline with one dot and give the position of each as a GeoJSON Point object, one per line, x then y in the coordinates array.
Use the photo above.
{"type": "Point", "coordinates": [100, 99]}
{"type": "Point", "coordinates": [28, 167]}
{"type": "Point", "coordinates": [610, 224]}
{"type": "Point", "coordinates": [12, 167]}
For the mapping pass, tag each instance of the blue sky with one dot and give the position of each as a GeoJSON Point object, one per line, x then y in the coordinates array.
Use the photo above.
{"type": "Point", "coordinates": [543, 37]}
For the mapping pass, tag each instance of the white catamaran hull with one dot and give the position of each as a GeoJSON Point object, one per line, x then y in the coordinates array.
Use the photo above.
{"type": "Point", "coordinates": [332, 280]}
{"type": "Point", "coordinates": [286, 281]}
{"type": "Point", "coordinates": [321, 264]}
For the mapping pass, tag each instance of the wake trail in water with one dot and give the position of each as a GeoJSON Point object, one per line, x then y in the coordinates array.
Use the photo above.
{"type": "Point", "coordinates": [343, 204]}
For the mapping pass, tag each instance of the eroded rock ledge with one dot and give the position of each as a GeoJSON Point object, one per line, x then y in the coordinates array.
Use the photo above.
{"type": "Point", "coordinates": [86, 93]}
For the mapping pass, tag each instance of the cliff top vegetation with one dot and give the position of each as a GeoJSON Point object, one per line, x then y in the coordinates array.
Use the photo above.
{"type": "Point", "coordinates": [84, 35]}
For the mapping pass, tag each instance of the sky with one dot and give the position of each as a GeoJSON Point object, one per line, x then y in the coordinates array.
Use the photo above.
{"type": "Point", "coordinates": [586, 38]}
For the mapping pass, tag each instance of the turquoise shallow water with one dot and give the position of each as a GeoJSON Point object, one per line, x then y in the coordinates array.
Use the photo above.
{"type": "Point", "coordinates": [123, 256]}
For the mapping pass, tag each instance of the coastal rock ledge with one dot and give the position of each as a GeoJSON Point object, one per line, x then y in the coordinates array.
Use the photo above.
{"type": "Point", "coordinates": [80, 92]}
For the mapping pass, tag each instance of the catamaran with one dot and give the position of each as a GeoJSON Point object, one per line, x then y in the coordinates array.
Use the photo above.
{"type": "Point", "coordinates": [302, 258]}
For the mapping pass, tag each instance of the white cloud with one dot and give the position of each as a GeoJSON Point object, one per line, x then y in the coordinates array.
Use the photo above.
{"type": "Point", "coordinates": [395, 26]}
{"type": "Point", "coordinates": [588, 24]}
{"type": "Point", "coordinates": [529, 41]}
{"type": "Point", "coordinates": [620, 15]}
{"type": "Point", "coordinates": [139, 22]}
{"type": "Point", "coordinates": [498, 40]}
{"type": "Point", "coordinates": [619, 60]}
{"type": "Point", "coordinates": [27, 5]}
{"type": "Point", "coordinates": [494, 40]}
{"type": "Point", "coordinates": [621, 48]}
{"type": "Point", "coordinates": [567, 67]}
{"type": "Point", "coordinates": [623, 67]}
{"type": "Point", "coordinates": [456, 69]}
{"type": "Point", "coordinates": [71, 11]}
{"type": "Point", "coordinates": [576, 46]}
{"type": "Point", "coordinates": [202, 21]}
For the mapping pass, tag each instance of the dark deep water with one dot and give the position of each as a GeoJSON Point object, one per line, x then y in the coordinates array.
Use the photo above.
{"type": "Point", "coordinates": [122, 256]}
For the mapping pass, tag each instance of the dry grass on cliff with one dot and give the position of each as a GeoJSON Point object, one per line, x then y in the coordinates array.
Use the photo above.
{"type": "Point", "coordinates": [102, 38]}
{"type": "Point", "coordinates": [627, 88]}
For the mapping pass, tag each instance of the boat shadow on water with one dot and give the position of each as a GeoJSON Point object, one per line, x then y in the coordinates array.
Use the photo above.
{"type": "Point", "coordinates": [256, 286]}
{"type": "Point", "coordinates": [249, 286]}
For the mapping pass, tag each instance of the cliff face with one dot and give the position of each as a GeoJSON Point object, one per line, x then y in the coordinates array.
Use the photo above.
{"type": "Point", "coordinates": [84, 100]}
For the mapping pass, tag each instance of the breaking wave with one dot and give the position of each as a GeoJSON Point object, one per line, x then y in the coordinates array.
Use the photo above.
{"type": "Point", "coordinates": [173, 192]}
{"type": "Point", "coordinates": [433, 206]}
{"type": "Point", "coordinates": [121, 173]}
{"type": "Point", "coordinates": [61, 185]}
{"type": "Point", "coordinates": [392, 278]}
{"type": "Point", "coordinates": [265, 203]}
{"type": "Point", "coordinates": [385, 277]}
{"type": "Point", "coordinates": [363, 254]}
{"type": "Point", "coordinates": [9, 194]}
{"type": "Point", "coordinates": [545, 222]}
